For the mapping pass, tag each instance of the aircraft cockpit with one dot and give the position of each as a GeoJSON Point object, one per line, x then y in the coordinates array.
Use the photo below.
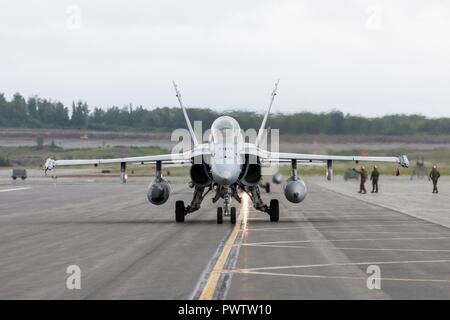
{"type": "Point", "coordinates": [225, 130]}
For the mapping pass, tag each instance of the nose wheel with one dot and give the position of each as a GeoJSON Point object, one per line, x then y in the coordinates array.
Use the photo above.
{"type": "Point", "coordinates": [232, 214]}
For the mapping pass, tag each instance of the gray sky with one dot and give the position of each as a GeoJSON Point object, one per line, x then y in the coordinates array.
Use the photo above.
{"type": "Point", "coordinates": [363, 57]}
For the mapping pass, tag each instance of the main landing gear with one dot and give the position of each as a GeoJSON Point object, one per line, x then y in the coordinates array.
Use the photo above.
{"type": "Point", "coordinates": [274, 210]}
{"type": "Point", "coordinates": [179, 211]}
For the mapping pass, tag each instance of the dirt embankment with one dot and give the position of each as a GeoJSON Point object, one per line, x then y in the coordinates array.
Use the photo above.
{"type": "Point", "coordinates": [71, 138]}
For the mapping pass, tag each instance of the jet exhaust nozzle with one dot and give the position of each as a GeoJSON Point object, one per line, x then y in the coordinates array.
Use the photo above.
{"type": "Point", "coordinates": [295, 190]}
{"type": "Point", "coordinates": [158, 192]}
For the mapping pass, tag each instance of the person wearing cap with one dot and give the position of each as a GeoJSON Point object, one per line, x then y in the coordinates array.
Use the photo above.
{"type": "Point", "coordinates": [374, 178]}
{"type": "Point", "coordinates": [362, 179]}
{"type": "Point", "coordinates": [434, 176]}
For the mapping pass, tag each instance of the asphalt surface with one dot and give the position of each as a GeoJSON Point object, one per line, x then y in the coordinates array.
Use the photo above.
{"type": "Point", "coordinates": [129, 249]}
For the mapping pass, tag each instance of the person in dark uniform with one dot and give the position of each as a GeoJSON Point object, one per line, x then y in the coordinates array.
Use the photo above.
{"type": "Point", "coordinates": [362, 179]}
{"type": "Point", "coordinates": [374, 178]}
{"type": "Point", "coordinates": [434, 176]}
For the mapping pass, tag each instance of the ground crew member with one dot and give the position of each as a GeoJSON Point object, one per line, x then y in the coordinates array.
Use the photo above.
{"type": "Point", "coordinates": [434, 176]}
{"type": "Point", "coordinates": [374, 177]}
{"type": "Point", "coordinates": [362, 179]}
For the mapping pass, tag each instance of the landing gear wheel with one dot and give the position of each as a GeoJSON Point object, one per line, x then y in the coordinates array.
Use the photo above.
{"type": "Point", "coordinates": [219, 215]}
{"type": "Point", "coordinates": [268, 187]}
{"type": "Point", "coordinates": [179, 211]}
{"type": "Point", "coordinates": [233, 215]}
{"type": "Point", "coordinates": [274, 210]}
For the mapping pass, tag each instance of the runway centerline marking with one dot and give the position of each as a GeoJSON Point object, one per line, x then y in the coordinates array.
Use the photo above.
{"type": "Point", "coordinates": [15, 189]}
{"type": "Point", "coordinates": [219, 267]}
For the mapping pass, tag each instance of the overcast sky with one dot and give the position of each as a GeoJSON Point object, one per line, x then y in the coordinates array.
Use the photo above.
{"type": "Point", "coordinates": [362, 57]}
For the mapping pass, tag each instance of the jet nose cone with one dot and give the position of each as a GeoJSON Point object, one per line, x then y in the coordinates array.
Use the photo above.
{"type": "Point", "coordinates": [230, 177]}
{"type": "Point", "coordinates": [225, 174]}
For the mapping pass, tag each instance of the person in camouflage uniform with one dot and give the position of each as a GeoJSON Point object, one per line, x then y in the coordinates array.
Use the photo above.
{"type": "Point", "coordinates": [434, 176]}
{"type": "Point", "coordinates": [362, 179]}
{"type": "Point", "coordinates": [374, 176]}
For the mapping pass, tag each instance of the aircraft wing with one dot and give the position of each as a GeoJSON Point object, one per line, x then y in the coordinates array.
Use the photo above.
{"type": "Point", "coordinates": [282, 157]}
{"type": "Point", "coordinates": [171, 158]}
{"type": "Point", "coordinates": [288, 161]}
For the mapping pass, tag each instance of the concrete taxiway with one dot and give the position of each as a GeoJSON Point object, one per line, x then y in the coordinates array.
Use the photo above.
{"type": "Point", "coordinates": [129, 249]}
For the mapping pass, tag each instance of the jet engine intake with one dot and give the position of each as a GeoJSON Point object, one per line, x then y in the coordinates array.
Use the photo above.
{"type": "Point", "coordinates": [251, 174]}
{"type": "Point", "coordinates": [200, 174]}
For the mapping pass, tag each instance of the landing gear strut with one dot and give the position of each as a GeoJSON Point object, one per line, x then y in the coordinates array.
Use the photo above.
{"type": "Point", "coordinates": [273, 210]}
{"type": "Point", "coordinates": [181, 210]}
{"type": "Point", "coordinates": [227, 193]}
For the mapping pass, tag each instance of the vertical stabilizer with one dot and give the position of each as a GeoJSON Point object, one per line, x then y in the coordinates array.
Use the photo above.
{"type": "Point", "coordinates": [188, 122]}
{"type": "Point", "coordinates": [266, 116]}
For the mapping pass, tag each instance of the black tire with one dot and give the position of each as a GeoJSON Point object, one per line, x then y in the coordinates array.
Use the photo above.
{"type": "Point", "coordinates": [23, 178]}
{"type": "Point", "coordinates": [219, 215]}
{"type": "Point", "coordinates": [179, 211]}
{"type": "Point", "coordinates": [274, 210]}
{"type": "Point", "coordinates": [14, 178]}
{"type": "Point", "coordinates": [268, 187]}
{"type": "Point", "coordinates": [233, 215]}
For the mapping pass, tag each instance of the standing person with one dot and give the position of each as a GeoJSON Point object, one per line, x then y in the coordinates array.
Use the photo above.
{"type": "Point", "coordinates": [374, 177]}
{"type": "Point", "coordinates": [434, 176]}
{"type": "Point", "coordinates": [362, 179]}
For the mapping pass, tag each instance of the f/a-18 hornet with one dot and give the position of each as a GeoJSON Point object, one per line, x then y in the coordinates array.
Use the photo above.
{"type": "Point", "coordinates": [227, 166]}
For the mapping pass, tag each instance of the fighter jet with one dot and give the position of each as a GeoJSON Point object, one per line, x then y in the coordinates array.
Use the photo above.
{"type": "Point", "coordinates": [227, 167]}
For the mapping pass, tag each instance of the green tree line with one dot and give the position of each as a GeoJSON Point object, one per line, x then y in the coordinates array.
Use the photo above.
{"type": "Point", "coordinates": [36, 112]}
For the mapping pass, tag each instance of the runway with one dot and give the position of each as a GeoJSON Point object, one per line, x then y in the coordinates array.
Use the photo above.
{"type": "Point", "coordinates": [129, 249]}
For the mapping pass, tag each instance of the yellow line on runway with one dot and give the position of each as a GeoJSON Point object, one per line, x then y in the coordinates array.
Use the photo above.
{"type": "Point", "coordinates": [213, 279]}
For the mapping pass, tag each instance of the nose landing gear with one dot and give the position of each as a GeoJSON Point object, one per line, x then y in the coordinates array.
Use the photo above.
{"type": "Point", "coordinates": [231, 213]}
